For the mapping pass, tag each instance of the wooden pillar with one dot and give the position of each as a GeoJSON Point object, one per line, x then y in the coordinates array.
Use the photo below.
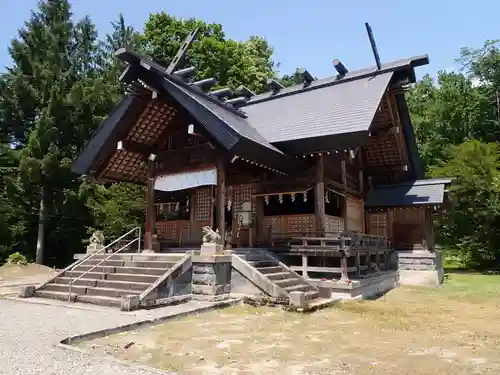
{"type": "Point", "coordinates": [344, 183]}
{"type": "Point", "coordinates": [150, 208]}
{"type": "Point", "coordinates": [220, 201]}
{"type": "Point", "coordinates": [320, 214]}
{"type": "Point", "coordinates": [259, 220]}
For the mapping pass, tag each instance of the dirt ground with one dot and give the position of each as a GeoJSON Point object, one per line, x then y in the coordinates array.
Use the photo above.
{"type": "Point", "coordinates": [454, 329]}
{"type": "Point", "coordinates": [12, 275]}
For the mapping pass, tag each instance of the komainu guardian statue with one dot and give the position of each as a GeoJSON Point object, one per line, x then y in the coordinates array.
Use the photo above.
{"type": "Point", "coordinates": [211, 236]}
{"type": "Point", "coordinates": [96, 242]}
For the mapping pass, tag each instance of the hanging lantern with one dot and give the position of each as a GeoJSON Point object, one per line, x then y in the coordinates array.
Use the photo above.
{"type": "Point", "coordinates": [187, 204]}
{"type": "Point", "coordinates": [280, 198]}
{"type": "Point", "coordinates": [327, 198]}
{"type": "Point", "coordinates": [304, 196]}
{"type": "Point", "coordinates": [266, 199]}
{"type": "Point", "coordinates": [177, 206]}
{"type": "Point", "coordinates": [292, 197]}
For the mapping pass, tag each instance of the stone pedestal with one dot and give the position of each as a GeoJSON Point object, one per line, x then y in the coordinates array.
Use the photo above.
{"type": "Point", "coordinates": [298, 300]}
{"type": "Point", "coordinates": [420, 267]}
{"type": "Point", "coordinates": [211, 249]}
{"type": "Point", "coordinates": [94, 248]}
{"type": "Point", "coordinates": [211, 275]}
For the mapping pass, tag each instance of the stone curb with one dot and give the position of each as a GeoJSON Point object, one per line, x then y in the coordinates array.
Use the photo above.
{"type": "Point", "coordinates": [114, 360]}
{"type": "Point", "coordinates": [146, 323]}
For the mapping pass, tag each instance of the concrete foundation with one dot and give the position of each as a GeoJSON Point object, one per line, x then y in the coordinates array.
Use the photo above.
{"type": "Point", "coordinates": [211, 278]}
{"type": "Point", "coordinates": [420, 267]}
{"type": "Point", "coordinates": [360, 289]}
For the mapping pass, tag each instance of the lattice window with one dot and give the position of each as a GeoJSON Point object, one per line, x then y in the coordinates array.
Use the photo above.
{"type": "Point", "coordinates": [204, 204]}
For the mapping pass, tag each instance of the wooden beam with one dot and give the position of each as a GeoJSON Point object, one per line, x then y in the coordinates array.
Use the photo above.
{"type": "Point", "coordinates": [320, 214]}
{"type": "Point", "coordinates": [134, 147]}
{"type": "Point", "coordinates": [220, 203]}
{"type": "Point", "coordinates": [344, 210]}
{"type": "Point", "coordinates": [150, 208]}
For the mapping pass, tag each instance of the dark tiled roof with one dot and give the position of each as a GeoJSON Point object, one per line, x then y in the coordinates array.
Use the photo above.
{"type": "Point", "coordinates": [420, 192]}
{"type": "Point", "coordinates": [336, 108]}
{"type": "Point", "coordinates": [407, 65]}
{"type": "Point", "coordinates": [103, 134]}
{"type": "Point", "coordinates": [237, 123]}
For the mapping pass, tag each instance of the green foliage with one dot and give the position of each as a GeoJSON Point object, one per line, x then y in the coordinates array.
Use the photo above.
{"type": "Point", "coordinates": [472, 226]}
{"type": "Point", "coordinates": [116, 209]}
{"type": "Point", "coordinates": [17, 258]}
{"type": "Point", "coordinates": [231, 62]}
{"type": "Point", "coordinates": [457, 124]}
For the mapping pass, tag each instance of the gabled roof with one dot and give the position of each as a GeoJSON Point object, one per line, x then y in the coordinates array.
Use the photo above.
{"type": "Point", "coordinates": [420, 192]}
{"type": "Point", "coordinates": [331, 113]}
{"type": "Point", "coordinates": [322, 110]}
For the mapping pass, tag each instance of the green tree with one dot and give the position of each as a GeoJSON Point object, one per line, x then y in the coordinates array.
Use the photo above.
{"type": "Point", "coordinates": [472, 224]}
{"type": "Point", "coordinates": [56, 81]}
{"type": "Point", "coordinates": [231, 62]}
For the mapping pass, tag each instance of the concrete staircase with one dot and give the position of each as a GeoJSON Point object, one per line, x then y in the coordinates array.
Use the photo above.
{"type": "Point", "coordinates": [121, 275]}
{"type": "Point", "coordinates": [271, 276]}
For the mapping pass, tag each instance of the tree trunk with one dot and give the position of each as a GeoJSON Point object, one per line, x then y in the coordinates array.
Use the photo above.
{"type": "Point", "coordinates": [42, 218]}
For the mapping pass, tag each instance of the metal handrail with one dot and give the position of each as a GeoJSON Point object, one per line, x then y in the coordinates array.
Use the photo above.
{"type": "Point", "coordinates": [71, 281]}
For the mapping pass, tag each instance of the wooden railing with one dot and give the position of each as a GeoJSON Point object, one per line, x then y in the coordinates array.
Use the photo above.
{"type": "Point", "coordinates": [370, 253]}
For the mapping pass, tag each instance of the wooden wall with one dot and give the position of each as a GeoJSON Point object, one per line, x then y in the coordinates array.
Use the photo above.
{"type": "Point", "coordinates": [354, 214]}
{"type": "Point", "coordinates": [408, 227]}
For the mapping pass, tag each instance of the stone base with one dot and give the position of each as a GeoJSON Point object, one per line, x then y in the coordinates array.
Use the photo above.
{"type": "Point", "coordinates": [420, 267]}
{"type": "Point", "coordinates": [130, 303]}
{"type": "Point", "coordinates": [94, 248]}
{"type": "Point", "coordinates": [27, 291]}
{"type": "Point", "coordinates": [370, 287]}
{"type": "Point", "coordinates": [211, 279]}
{"type": "Point", "coordinates": [211, 248]}
{"type": "Point", "coordinates": [421, 278]}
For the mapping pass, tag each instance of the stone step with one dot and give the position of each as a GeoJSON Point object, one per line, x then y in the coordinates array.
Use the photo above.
{"type": "Point", "coordinates": [109, 262]}
{"type": "Point", "coordinates": [263, 263]}
{"type": "Point", "coordinates": [172, 257]}
{"type": "Point", "coordinates": [254, 257]}
{"type": "Point", "coordinates": [150, 264]}
{"type": "Point", "coordinates": [283, 283]}
{"type": "Point", "coordinates": [298, 288]}
{"type": "Point", "coordinates": [130, 263]}
{"type": "Point", "coordinates": [311, 295]}
{"type": "Point", "coordinates": [111, 292]}
{"type": "Point", "coordinates": [116, 284]}
{"type": "Point", "coordinates": [101, 269]}
{"type": "Point", "coordinates": [135, 278]}
{"type": "Point", "coordinates": [141, 270]}
{"type": "Point", "coordinates": [278, 275]}
{"type": "Point", "coordinates": [88, 275]}
{"type": "Point", "coordinates": [267, 270]}
{"type": "Point", "coordinates": [123, 285]}
{"type": "Point", "coordinates": [92, 291]}
{"type": "Point", "coordinates": [129, 270]}
{"type": "Point", "coordinates": [64, 288]}
{"type": "Point", "coordinates": [83, 281]}
{"type": "Point", "coordinates": [99, 300]}
{"type": "Point", "coordinates": [61, 296]}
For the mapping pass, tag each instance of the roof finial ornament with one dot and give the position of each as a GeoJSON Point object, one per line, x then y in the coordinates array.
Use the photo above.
{"type": "Point", "coordinates": [274, 85]}
{"type": "Point", "coordinates": [374, 45]}
{"type": "Point", "coordinates": [181, 53]}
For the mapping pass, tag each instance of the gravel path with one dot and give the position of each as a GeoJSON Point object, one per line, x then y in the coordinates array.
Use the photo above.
{"type": "Point", "coordinates": [29, 333]}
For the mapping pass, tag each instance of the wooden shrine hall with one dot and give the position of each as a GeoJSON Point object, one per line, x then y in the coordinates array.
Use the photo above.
{"type": "Point", "coordinates": [332, 155]}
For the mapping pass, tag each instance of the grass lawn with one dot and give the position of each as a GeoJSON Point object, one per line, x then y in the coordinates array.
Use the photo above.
{"type": "Point", "coordinates": [454, 329]}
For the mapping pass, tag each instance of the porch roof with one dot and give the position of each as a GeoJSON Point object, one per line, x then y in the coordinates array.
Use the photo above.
{"type": "Point", "coordinates": [420, 192]}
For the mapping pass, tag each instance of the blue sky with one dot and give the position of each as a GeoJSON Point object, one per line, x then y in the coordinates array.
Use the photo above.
{"type": "Point", "coordinates": [308, 34]}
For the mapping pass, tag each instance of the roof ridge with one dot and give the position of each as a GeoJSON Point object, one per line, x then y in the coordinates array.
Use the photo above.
{"type": "Point", "coordinates": [396, 65]}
